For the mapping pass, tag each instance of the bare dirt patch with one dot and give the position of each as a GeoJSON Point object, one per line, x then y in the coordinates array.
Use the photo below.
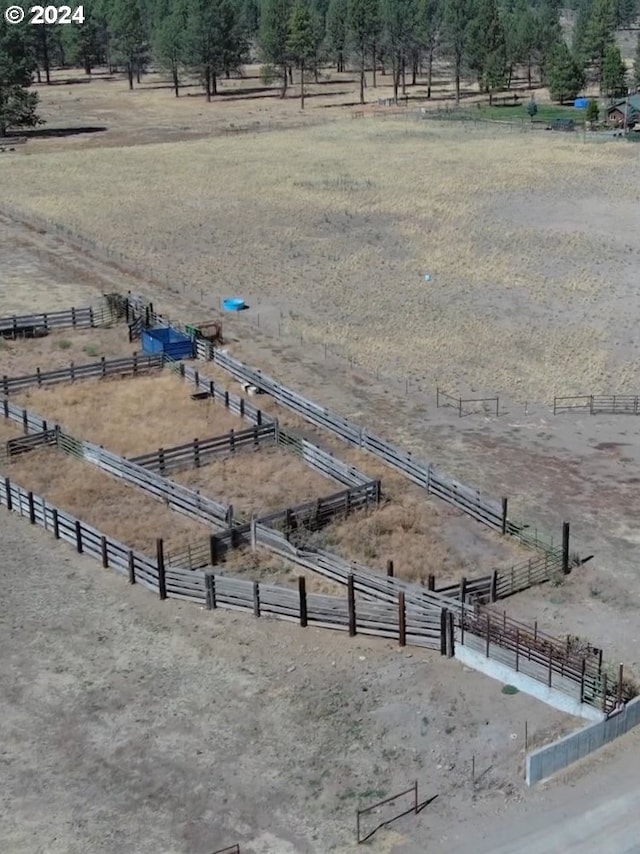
{"type": "Point", "coordinates": [133, 415]}
{"type": "Point", "coordinates": [109, 504]}
{"type": "Point", "coordinates": [81, 723]}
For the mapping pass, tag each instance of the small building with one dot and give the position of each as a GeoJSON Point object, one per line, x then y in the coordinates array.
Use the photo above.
{"type": "Point", "coordinates": [630, 106]}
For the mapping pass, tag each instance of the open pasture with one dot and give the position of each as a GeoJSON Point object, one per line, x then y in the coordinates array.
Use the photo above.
{"type": "Point", "coordinates": [532, 257]}
{"type": "Point", "coordinates": [108, 503]}
{"type": "Point", "coordinates": [131, 416]}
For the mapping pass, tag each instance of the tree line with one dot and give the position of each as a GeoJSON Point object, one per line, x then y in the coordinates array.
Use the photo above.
{"type": "Point", "coordinates": [488, 41]}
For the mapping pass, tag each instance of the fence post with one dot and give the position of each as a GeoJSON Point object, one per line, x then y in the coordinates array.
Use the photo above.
{"type": "Point", "coordinates": [72, 371]}
{"type": "Point", "coordinates": [162, 583]}
{"type": "Point", "coordinates": [619, 698]}
{"type": "Point", "coordinates": [443, 631]}
{"type": "Point", "coordinates": [504, 516]}
{"type": "Point", "coordinates": [517, 650]}
{"type": "Point", "coordinates": [591, 404]}
{"type": "Point", "coordinates": [39, 377]}
{"type": "Point", "coordinates": [56, 524]}
{"type": "Point", "coordinates": [463, 589]}
{"type": "Point", "coordinates": [451, 644]}
{"type": "Point", "coordinates": [7, 489]}
{"type": "Point", "coordinates": [79, 536]}
{"type": "Point", "coordinates": [604, 693]}
{"type": "Point", "coordinates": [73, 317]}
{"type": "Point", "coordinates": [351, 604]}
{"type": "Point", "coordinates": [550, 664]}
{"type": "Point", "coordinates": [254, 538]}
{"type": "Point", "coordinates": [161, 466]}
{"type": "Point", "coordinates": [431, 582]}
{"type": "Point", "coordinates": [402, 620]}
{"type": "Point", "coordinates": [493, 592]}
{"type": "Point", "coordinates": [105, 554]}
{"type": "Point", "coordinates": [25, 422]}
{"type": "Point", "coordinates": [132, 567]}
{"type": "Point", "coordinates": [232, 440]}
{"type": "Point", "coordinates": [302, 590]}
{"type": "Point", "coordinates": [213, 549]}
{"type": "Point", "coordinates": [226, 399]}
{"type": "Point", "coordinates": [565, 548]}
{"type": "Point", "coordinates": [488, 634]}
{"type": "Point", "coordinates": [390, 569]}
{"type": "Point", "coordinates": [5, 384]}
{"type": "Point", "coordinates": [583, 668]}
{"type": "Point", "coordinates": [196, 453]}
{"type": "Point", "coordinates": [256, 599]}
{"type": "Point", "coordinates": [210, 581]}
{"type": "Point", "coordinates": [32, 509]}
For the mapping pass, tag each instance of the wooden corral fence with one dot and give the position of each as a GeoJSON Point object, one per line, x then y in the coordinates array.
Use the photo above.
{"type": "Point", "coordinates": [30, 325]}
{"type": "Point", "coordinates": [459, 403]}
{"type": "Point", "coordinates": [350, 614]}
{"type": "Point", "coordinates": [468, 500]}
{"type": "Point", "coordinates": [502, 583]}
{"type": "Point", "coordinates": [174, 495]}
{"type": "Point", "coordinates": [125, 367]}
{"type": "Point", "coordinates": [309, 516]}
{"type": "Point", "coordinates": [598, 404]}
{"type": "Point", "coordinates": [569, 666]}
{"type": "Point", "coordinates": [201, 451]}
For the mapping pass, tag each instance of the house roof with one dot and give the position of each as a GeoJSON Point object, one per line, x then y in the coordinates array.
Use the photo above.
{"type": "Point", "coordinates": [633, 101]}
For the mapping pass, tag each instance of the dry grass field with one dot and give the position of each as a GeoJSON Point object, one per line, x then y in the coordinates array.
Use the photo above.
{"type": "Point", "coordinates": [131, 416]}
{"type": "Point", "coordinates": [109, 504]}
{"type": "Point", "coordinates": [62, 347]}
{"type": "Point", "coordinates": [335, 226]}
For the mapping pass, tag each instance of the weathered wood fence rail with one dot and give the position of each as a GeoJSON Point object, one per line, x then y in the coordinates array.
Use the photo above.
{"type": "Point", "coordinates": [469, 501]}
{"type": "Point", "coordinates": [380, 619]}
{"type": "Point", "coordinates": [174, 495]}
{"type": "Point", "coordinates": [128, 366]}
{"type": "Point", "coordinates": [200, 451]}
{"type": "Point", "coordinates": [76, 318]}
{"type": "Point", "coordinates": [594, 404]}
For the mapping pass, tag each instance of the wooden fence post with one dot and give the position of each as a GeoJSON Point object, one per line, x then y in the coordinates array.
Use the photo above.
{"type": "Point", "coordinates": [488, 649]}
{"type": "Point", "coordinates": [302, 590]}
{"type": "Point", "coordinates": [254, 535]}
{"type": "Point", "coordinates": [132, 567]}
{"type": "Point", "coordinates": [210, 581]}
{"type": "Point", "coordinates": [493, 593]}
{"type": "Point", "coordinates": [550, 664]}
{"type": "Point", "coordinates": [256, 599]}
{"type": "Point", "coordinates": [443, 631]}
{"type": "Point", "coordinates": [242, 407]}
{"type": "Point", "coordinates": [161, 466]}
{"type": "Point", "coordinates": [390, 569]}
{"type": "Point", "coordinates": [162, 583]}
{"type": "Point", "coordinates": [620, 674]}
{"type": "Point", "coordinates": [232, 440]}
{"type": "Point", "coordinates": [103, 362]}
{"type": "Point", "coordinates": [451, 649]}
{"type": "Point", "coordinates": [351, 604]}
{"type": "Point", "coordinates": [431, 582]}
{"type": "Point", "coordinates": [463, 589]}
{"type": "Point", "coordinates": [565, 548]}
{"type": "Point", "coordinates": [196, 453]}
{"type": "Point", "coordinates": [517, 650]}
{"type": "Point", "coordinates": [504, 515]}
{"type": "Point", "coordinates": [25, 422]}
{"type": "Point", "coordinates": [56, 524]}
{"type": "Point", "coordinates": [583, 668]}
{"type": "Point", "coordinates": [259, 417]}
{"type": "Point", "coordinates": [402, 620]}
{"type": "Point", "coordinates": [32, 509]}
{"type": "Point", "coordinates": [7, 489]}
{"type": "Point", "coordinates": [213, 550]}
{"type": "Point", "coordinates": [104, 552]}
{"type": "Point", "coordinates": [79, 536]}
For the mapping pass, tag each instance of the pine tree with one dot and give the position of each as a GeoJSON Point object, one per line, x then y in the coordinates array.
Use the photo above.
{"type": "Point", "coordinates": [614, 72]}
{"type": "Point", "coordinates": [362, 27]}
{"type": "Point", "coordinates": [274, 35]}
{"type": "Point", "coordinates": [169, 45]}
{"type": "Point", "coordinates": [18, 106]}
{"type": "Point", "coordinates": [398, 27]}
{"type": "Point", "coordinates": [301, 43]}
{"type": "Point", "coordinates": [565, 77]}
{"type": "Point", "coordinates": [129, 37]}
{"type": "Point", "coordinates": [456, 18]}
{"type": "Point", "coordinates": [429, 27]}
{"type": "Point", "coordinates": [636, 64]}
{"type": "Point", "coordinates": [600, 33]}
{"type": "Point", "coordinates": [487, 46]}
{"type": "Point", "coordinates": [337, 31]}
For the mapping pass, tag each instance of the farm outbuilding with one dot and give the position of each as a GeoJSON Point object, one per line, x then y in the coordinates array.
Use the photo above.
{"type": "Point", "coordinates": [625, 112]}
{"type": "Point", "coordinates": [169, 341]}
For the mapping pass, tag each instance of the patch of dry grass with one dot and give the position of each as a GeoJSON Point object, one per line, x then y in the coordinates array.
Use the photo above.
{"type": "Point", "coordinates": [316, 222]}
{"type": "Point", "coordinates": [131, 416]}
{"type": "Point", "coordinates": [113, 507]}
{"type": "Point", "coordinates": [261, 565]}
{"type": "Point", "coordinates": [63, 346]}
{"type": "Point", "coordinates": [260, 482]}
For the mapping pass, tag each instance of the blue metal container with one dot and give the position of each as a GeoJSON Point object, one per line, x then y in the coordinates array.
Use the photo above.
{"type": "Point", "coordinates": [167, 340]}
